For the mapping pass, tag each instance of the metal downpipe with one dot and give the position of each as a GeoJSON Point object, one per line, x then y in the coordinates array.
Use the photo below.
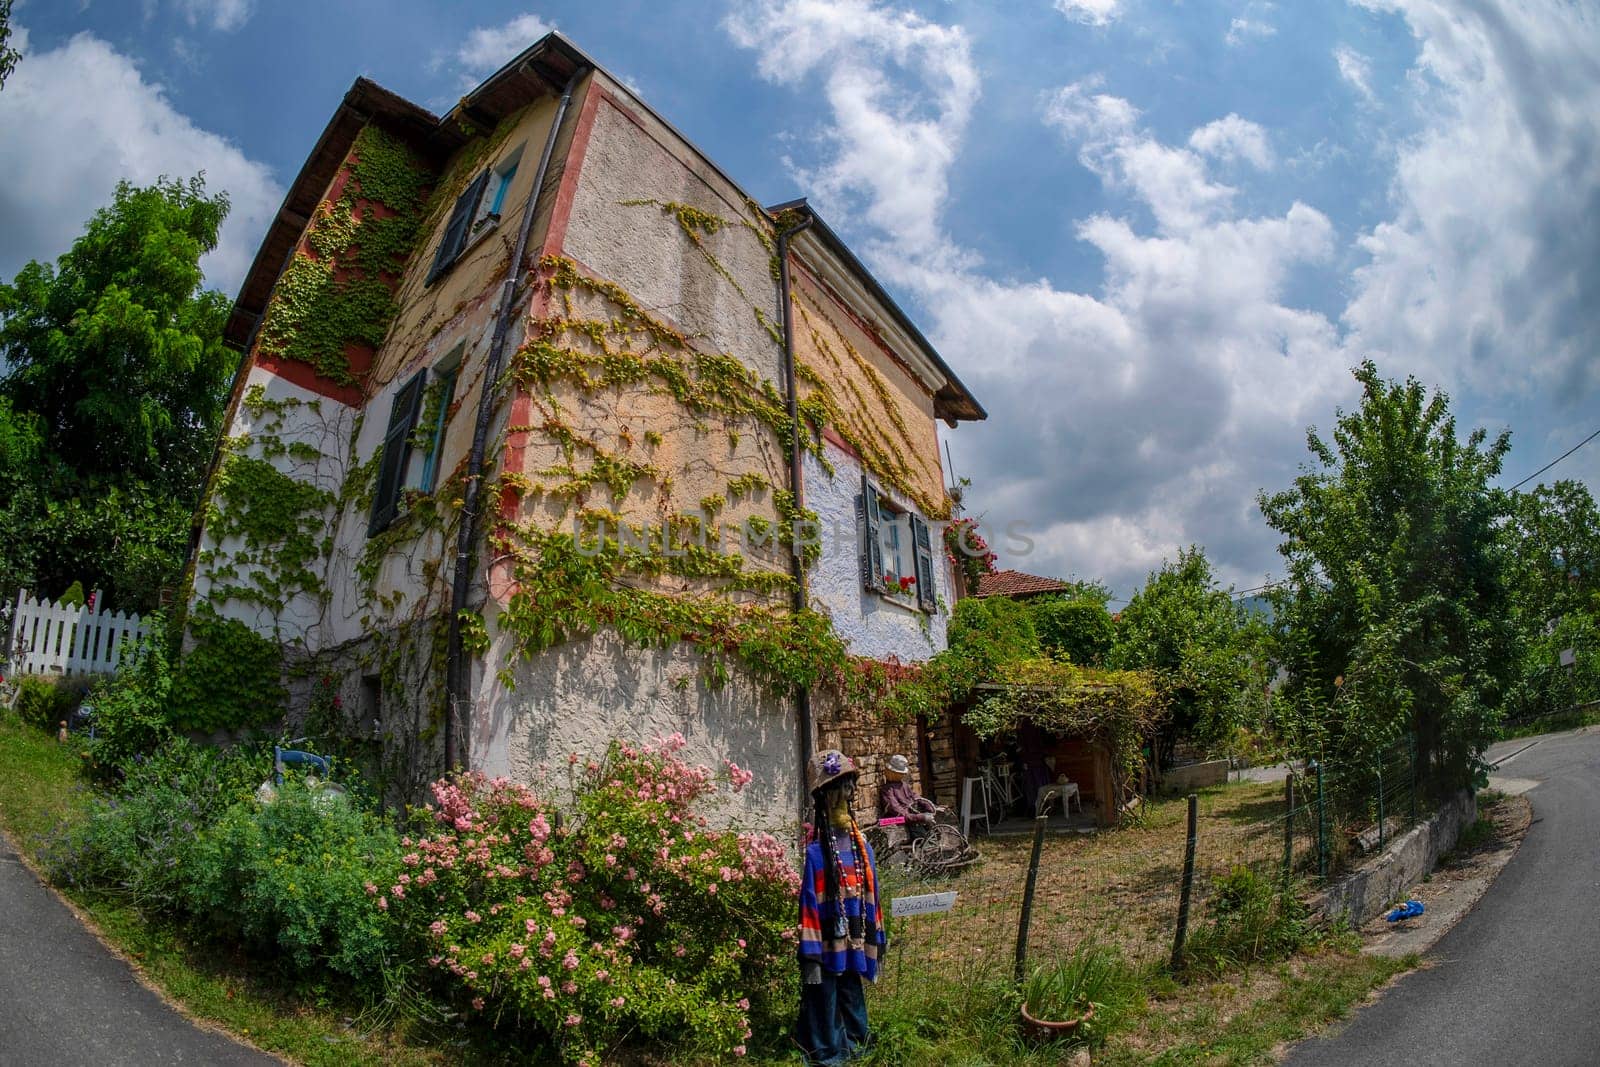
{"type": "Point", "coordinates": [802, 696]}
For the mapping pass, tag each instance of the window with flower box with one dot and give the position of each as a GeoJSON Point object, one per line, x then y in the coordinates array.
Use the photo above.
{"type": "Point", "coordinates": [896, 550]}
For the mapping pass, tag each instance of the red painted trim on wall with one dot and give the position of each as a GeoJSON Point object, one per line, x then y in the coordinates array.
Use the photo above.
{"type": "Point", "coordinates": [830, 435]}
{"type": "Point", "coordinates": [561, 213]}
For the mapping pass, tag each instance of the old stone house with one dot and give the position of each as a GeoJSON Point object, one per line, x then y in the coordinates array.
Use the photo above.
{"type": "Point", "coordinates": [547, 433]}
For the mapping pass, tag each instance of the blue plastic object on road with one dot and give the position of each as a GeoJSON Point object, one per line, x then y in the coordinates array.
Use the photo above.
{"type": "Point", "coordinates": [1409, 910]}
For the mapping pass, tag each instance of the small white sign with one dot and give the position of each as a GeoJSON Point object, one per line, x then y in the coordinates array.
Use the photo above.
{"type": "Point", "coordinates": [926, 904]}
{"type": "Point", "coordinates": [1568, 657]}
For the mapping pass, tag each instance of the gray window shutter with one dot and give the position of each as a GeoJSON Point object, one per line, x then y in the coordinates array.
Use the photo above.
{"type": "Point", "coordinates": [872, 548]}
{"type": "Point", "coordinates": [923, 543]}
{"type": "Point", "coordinates": [455, 234]}
{"type": "Point", "coordinates": [396, 451]}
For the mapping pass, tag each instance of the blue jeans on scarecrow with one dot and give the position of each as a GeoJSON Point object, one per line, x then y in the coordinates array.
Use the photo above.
{"type": "Point", "coordinates": [833, 1019]}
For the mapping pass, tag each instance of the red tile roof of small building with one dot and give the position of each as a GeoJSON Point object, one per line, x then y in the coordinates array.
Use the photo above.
{"type": "Point", "coordinates": [1018, 584]}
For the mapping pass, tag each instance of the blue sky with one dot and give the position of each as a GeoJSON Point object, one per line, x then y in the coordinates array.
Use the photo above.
{"type": "Point", "coordinates": [1152, 237]}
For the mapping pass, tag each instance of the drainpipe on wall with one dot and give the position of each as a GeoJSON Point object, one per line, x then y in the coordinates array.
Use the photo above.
{"type": "Point", "coordinates": [802, 694]}
{"type": "Point", "coordinates": [456, 674]}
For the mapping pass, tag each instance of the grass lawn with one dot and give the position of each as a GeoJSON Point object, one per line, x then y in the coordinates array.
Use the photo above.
{"type": "Point", "coordinates": [943, 994]}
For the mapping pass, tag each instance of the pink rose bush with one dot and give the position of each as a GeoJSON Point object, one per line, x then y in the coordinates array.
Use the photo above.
{"type": "Point", "coordinates": [627, 918]}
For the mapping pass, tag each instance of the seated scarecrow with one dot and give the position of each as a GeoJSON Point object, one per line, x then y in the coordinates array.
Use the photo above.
{"type": "Point", "coordinates": [898, 800]}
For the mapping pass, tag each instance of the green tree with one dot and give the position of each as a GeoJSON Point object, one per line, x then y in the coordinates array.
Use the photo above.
{"type": "Point", "coordinates": [8, 55]}
{"type": "Point", "coordinates": [115, 385]}
{"type": "Point", "coordinates": [1204, 649]}
{"type": "Point", "coordinates": [1394, 616]}
{"type": "Point", "coordinates": [1552, 539]}
{"type": "Point", "coordinates": [1076, 625]}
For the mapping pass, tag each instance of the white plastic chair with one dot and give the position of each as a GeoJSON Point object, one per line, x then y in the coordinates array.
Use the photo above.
{"type": "Point", "coordinates": [974, 795]}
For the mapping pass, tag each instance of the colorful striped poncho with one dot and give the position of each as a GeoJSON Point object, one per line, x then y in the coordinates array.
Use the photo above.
{"type": "Point", "coordinates": [839, 955]}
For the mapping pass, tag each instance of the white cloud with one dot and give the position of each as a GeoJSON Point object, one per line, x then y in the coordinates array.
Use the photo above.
{"type": "Point", "coordinates": [891, 143]}
{"type": "Point", "coordinates": [1241, 30]}
{"type": "Point", "coordinates": [1126, 423]}
{"type": "Point", "coordinates": [1232, 138]}
{"type": "Point", "coordinates": [488, 48]}
{"type": "Point", "coordinates": [223, 15]}
{"type": "Point", "coordinates": [1092, 12]}
{"type": "Point", "coordinates": [1485, 277]}
{"type": "Point", "coordinates": [79, 117]}
{"type": "Point", "coordinates": [1172, 182]}
{"type": "Point", "coordinates": [1355, 69]}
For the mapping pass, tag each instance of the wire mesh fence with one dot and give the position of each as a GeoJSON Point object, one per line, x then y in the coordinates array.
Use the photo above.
{"type": "Point", "coordinates": [1253, 842]}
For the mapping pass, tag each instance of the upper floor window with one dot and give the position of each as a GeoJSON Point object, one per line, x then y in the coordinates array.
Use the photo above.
{"type": "Point", "coordinates": [896, 550]}
{"type": "Point", "coordinates": [477, 210]}
{"type": "Point", "coordinates": [414, 440]}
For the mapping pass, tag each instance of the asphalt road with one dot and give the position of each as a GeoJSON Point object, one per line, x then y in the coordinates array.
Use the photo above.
{"type": "Point", "coordinates": [1517, 981]}
{"type": "Point", "coordinates": [65, 1000]}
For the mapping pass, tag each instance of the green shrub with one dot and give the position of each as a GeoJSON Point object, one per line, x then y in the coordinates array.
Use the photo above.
{"type": "Point", "coordinates": [1249, 918]}
{"type": "Point", "coordinates": [144, 841]}
{"type": "Point", "coordinates": [46, 702]}
{"type": "Point", "coordinates": [130, 707]}
{"type": "Point", "coordinates": [295, 877]}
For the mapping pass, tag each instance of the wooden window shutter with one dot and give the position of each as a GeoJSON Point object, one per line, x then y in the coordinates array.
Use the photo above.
{"type": "Point", "coordinates": [396, 451]}
{"type": "Point", "coordinates": [455, 234]}
{"type": "Point", "coordinates": [923, 543]}
{"type": "Point", "coordinates": [872, 548]}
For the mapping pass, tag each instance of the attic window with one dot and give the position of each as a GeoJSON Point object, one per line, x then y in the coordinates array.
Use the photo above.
{"type": "Point", "coordinates": [896, 550]}
{"type": "Point", "coordinates": [476, 212]}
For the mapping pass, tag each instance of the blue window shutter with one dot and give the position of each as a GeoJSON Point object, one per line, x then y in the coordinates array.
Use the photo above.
{"type": "Point", "coordinates": [923, 543]}
{"type": "Point", "coordinates": [872, 549]}
{"type": "Point", "coordinates": [455, 234]}
{"type": "Point", "coordinates": [396, 451]}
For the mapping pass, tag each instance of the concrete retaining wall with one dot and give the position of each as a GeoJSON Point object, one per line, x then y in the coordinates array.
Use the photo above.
{"type": "Point", "coordinates": [1195, 776]}
{"type": "Point", "coordinates": [1377, 884]}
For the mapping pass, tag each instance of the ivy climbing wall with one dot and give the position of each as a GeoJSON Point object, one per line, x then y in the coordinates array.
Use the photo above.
{"type": "Point", "coordinates": [642, 575]}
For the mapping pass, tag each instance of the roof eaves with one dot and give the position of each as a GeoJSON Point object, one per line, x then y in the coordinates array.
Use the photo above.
{"type": "Point", "coordinates": [954, 401]}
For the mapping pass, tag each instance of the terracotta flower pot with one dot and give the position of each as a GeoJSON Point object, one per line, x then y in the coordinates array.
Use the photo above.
{"type": "Point", "coordinates": [1045, 1030]}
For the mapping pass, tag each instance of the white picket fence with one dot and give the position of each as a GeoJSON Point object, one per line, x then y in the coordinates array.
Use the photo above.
{"type": "Point", "coordinates": [55, 638]}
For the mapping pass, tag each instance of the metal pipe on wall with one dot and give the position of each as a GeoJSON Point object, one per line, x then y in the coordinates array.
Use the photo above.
{"type": "Point", "coordinates": [456, 681]}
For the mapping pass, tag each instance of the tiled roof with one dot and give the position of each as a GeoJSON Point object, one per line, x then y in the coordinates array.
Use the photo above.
{"type": "Point", "coordinates": [1015, 583]}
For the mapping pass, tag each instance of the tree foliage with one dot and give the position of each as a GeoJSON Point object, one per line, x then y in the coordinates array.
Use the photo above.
{"type": "Point", "coordinates": [1552, 538]}
{"type": "Point", "coordinates": [8, 55]}
{"type": "Point", "coordinates": [1185, 628]}
{"type": "Point", "coordinates": [1075, 624]}
{"type": "Point", "coordinates": [1393, 617]}
{"type": "Point", "coordinates": [113, 392]}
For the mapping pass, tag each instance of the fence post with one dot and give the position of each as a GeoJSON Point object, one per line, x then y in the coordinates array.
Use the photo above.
{"type": "Point", "coordinates": [1322, 821]}
{"type": "Point", "coordinates": [1380, 807]}
{"type": "Point", "coordinates": [1188, 884]}
{"type": "Point", "coordinates": [1039, 823]}
{"type": "Point", "coordinates": [1288, 830]}
{"type": "Point", "coordinates": [1411, 742]}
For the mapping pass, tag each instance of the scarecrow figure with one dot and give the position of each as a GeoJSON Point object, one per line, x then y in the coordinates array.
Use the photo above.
{"type": "Point", "coordinates": [898, 799]}
{"type": "Point", "coordinates": [840, 935]}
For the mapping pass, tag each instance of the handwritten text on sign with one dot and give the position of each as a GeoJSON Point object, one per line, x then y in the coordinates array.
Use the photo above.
{"type": "Point", "coordinates": [927, 904]}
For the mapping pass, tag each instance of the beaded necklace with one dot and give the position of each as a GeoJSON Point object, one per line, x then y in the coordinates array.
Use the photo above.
{"type": "Point", "coordinates": [852, 927]}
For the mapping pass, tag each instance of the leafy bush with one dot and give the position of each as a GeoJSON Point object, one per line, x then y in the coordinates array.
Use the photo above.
{"type": "Point", "coordinates": [45, 702]}
{"type": "Point", "coordinates": [130, 706]}
{"type": "Point", "coordinates": [185, 835]}
{"type": "Point", "coordinates": [1079, 628]}
{"type": "Point", "coordinates": [1249, 918]}
{"type": "Point", "coordinates": [144, 842]}
{"type": "Point", "coordinates": [293, 877]}
{"type": "Point", "coordinates": [631, 920]}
